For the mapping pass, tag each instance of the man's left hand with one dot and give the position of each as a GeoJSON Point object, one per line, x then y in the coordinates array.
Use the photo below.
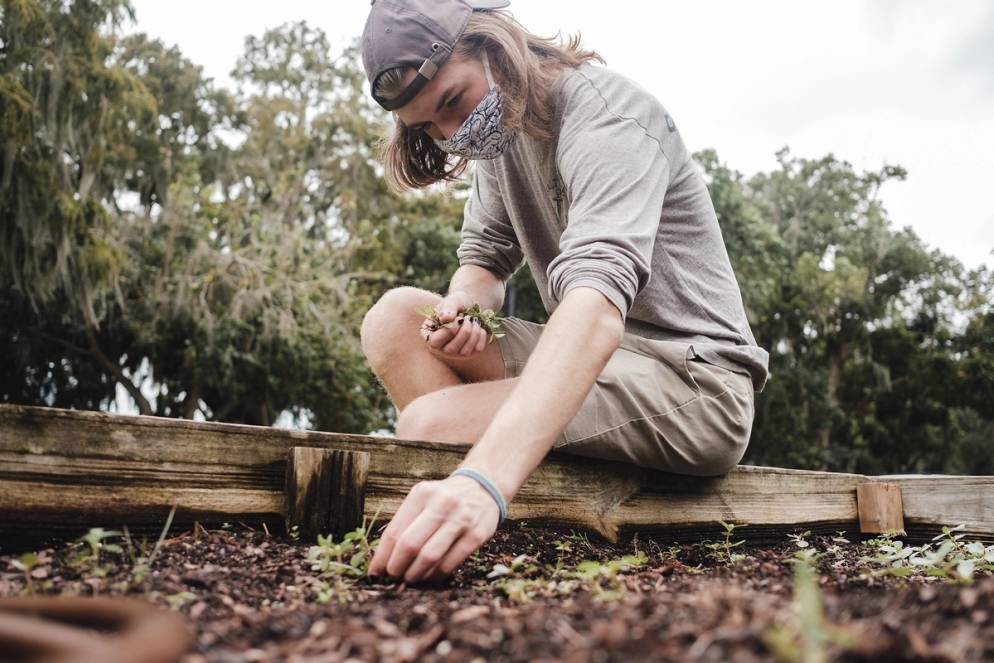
{"type": "Point", "coordinates": [438, 525]}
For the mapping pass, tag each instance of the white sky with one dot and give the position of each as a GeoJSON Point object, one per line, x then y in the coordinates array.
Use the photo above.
{"type": "Point", "coordinates": [908, 82]}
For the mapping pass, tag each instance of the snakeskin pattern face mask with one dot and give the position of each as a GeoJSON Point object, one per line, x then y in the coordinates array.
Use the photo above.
{"type": "Point", "coordinates": [481, 136]}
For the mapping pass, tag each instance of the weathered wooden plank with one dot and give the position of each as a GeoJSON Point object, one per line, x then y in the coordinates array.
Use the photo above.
{"type": "Point", "coordinates": [880, 508]}
{"type": "Point", "coordinates": [931, 501]}
{"type": "Point", "coordinates": [56, 465]}
{"type": "Point", "coordinates": [325, 491]}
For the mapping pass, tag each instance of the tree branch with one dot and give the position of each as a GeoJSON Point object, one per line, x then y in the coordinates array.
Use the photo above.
{"type": "Point", "coordinates": [144, 407]}
{"type": "Point", "coordinates": [95, 353]}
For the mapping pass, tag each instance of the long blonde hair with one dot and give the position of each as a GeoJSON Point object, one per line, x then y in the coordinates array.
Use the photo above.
{"type": "Point", "coordinates": [524, 65]}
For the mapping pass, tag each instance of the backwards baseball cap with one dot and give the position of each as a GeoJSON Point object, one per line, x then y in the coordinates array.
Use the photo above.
{"type": "Point", "coordinates": [414, 33]}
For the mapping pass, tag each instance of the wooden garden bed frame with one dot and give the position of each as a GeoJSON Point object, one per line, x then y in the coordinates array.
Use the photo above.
{"type": "Point", "coordinates": [63, 471]}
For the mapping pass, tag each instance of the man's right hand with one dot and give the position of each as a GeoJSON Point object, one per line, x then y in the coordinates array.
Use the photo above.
{"type": "Point", "coordinates": [463, 339]}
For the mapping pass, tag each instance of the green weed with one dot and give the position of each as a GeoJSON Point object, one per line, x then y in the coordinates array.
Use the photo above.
{"type": "Point", "coordinates": [721, 551]}
{"type": "Point", "coordinates": [805, 638]}
{"type": "Point", "coordinates": [523, 579]}
{"type": "Point", "coordinates": [92, 548]}
{"type": "Point", "coordinates": [947, 557]}
{"type": "Point", "coordinates": [141, 563]}
{"type": "Point", "coordinates": [343, 562]}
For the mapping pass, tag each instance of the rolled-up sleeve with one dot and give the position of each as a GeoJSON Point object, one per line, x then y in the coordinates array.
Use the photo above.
{"type": "Point", "coordinates": [616, 175]}
{"type": "Point", "coordinates": [488, 239]}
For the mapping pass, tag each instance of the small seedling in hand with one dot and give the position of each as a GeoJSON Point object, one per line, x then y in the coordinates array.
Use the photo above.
{"type": "Point", "coordinates": [489, 320]}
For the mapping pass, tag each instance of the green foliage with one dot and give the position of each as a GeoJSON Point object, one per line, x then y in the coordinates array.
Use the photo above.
{"type": "Point", "coordinates": [263, 231]}
{"type": "Point", "coordinates": [66, 113]}
{"type": "Point", "coordinates": [524, 578]}
{"type": "Point", "coordinates": [871, 364]}
{"type": "Point", "coordinates": [949, 557]}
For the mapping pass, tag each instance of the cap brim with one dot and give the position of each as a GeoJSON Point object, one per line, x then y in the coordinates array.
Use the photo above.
{"type": "Point", "coordinates": [488, 4]}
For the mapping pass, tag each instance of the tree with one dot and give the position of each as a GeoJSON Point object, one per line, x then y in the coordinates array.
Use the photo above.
{"type": "Point", "coordinates": [858, 318]}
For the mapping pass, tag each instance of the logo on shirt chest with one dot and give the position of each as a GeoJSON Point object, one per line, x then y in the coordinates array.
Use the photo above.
{"type": "Point", "coordinates": [557, 191]}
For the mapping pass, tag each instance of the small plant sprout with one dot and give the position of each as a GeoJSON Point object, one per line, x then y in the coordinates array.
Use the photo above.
{"type": "Point", "coordinates": [595, 575]}
{"type": "Point", "coordinates": [26, 564]}
{"type": "Point", "coordinates": [141, 563]}
{"type": "Point", "coordinates": [489, 320]}
{"type": "Point", "coordinates": [578, 538]}
{"type": "Point", "coordinates": [562, 546]}
{"type": "Point", "coordinates": [93, 545]}
{"type": "Point", "coordinates": [835, 547]}
{"type": "Point", "coordinates": [517, 581]}
{"type": "Point", "coordinates": [342, 562]}
{"type": "Point", "coordinates": [806, 636]}
{"type": "Point", "coordinates": [722, 550]}
{"type": "Point", "coordinates": [522, 565]}
{"type": "Point", "coordinates": [800, 540]}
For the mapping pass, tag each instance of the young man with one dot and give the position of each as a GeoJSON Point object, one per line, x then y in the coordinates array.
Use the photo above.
{"type": "Point", "coordinates": [647, 356]}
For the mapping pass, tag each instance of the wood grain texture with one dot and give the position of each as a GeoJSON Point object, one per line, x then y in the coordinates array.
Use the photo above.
{"type": "Point", "coordinates": [63, 471]}
{"type": "Point", "coordinates": [325, 491]}
{"type": "Point", "coordinates": [932, 501]}
{"type": "Point", "coordinates": [880, 508]}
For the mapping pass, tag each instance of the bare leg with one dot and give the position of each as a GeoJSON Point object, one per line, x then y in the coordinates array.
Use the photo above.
{"type": "Point", "coordinates": [403, 362]}
{"type": "Point", "coordinates": [454, 415]}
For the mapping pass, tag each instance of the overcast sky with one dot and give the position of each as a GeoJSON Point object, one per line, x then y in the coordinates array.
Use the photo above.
{"type": "Point", "coordinates": [908, 82]}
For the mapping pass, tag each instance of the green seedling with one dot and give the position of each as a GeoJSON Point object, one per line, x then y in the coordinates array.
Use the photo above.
{"type": "Point", "coordinates": [721, 551]}
{"type": "Point", "coordinates": [578, 538]}
{"type": "Point", "coordinates": [26, 564]}
{"type": "Point", "coordinates": [343, 562]}
{"type": "Point", "coordinates": [800, 540]}
{"type": "Point", "coordinates": [522, 565]}
{"type": "Point", "coordinates": [94, 545]}
{"type": "Point", "coordinates": [522, 579]}
{"type": "Point", "coordinates": [838, 541]}
{"type": "Point", "coordinates": [141, 563]}
{"type": "Point", "coordinates": [595, 575]}
{"type": "Point", "coordinates": [489, 320]}
{"type": "Point", "coordinates": [807, 636]}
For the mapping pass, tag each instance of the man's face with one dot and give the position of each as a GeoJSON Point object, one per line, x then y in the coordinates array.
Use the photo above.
{"type": "Point", "coordinates": [442, 105]}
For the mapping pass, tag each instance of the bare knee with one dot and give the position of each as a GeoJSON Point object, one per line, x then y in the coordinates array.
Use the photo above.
{"type": "Point", "coordinates": [389, 326]}
{"type": "Point", "coordinates": [426, 419]}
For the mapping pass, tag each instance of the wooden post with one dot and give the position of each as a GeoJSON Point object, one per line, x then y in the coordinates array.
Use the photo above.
{"type": "Point", "coordinates": [880, 508]}
{"type": "Point", "coordinates": [325, 491]}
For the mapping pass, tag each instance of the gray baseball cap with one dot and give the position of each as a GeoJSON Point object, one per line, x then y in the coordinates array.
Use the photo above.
{"type": "Point", "coordinates": [414, 33]}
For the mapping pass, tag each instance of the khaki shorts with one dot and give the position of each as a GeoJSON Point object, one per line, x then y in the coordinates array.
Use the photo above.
{"type": "Point", "coordinates": [654, 405]}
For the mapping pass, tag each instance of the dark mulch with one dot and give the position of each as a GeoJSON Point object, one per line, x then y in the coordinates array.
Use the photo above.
{"type": "Point", "coordinates": [252, 597]}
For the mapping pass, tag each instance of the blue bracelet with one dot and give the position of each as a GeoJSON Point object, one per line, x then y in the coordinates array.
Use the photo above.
{"type": "Point", "coordinates": [490, 488]}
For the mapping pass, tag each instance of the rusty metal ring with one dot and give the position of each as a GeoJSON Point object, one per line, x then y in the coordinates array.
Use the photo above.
{"type": "Point", "coordinates": [86, 630]}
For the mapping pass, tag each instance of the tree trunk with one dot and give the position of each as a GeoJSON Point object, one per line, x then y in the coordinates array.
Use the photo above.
{"type": "Point", "coordinates": [837, 353]}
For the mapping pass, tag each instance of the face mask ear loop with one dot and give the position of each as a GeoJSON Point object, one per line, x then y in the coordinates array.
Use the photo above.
{"type": "Point", "coordinates": [486, 69]}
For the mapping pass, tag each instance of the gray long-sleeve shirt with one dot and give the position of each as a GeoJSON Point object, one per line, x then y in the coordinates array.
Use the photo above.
{"type": "Point", "coordinates": [614, 202]}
